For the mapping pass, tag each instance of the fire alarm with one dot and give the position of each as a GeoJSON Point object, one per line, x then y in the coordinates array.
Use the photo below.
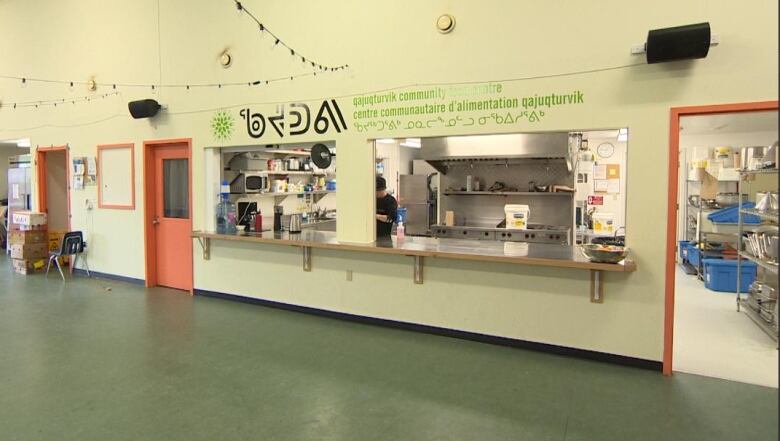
{"type": "Point", "coordinates": [445, 23]}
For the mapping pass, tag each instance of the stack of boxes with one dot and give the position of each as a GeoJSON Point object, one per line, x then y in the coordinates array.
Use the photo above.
{"type": "Point", "coordinates": [28, 242]}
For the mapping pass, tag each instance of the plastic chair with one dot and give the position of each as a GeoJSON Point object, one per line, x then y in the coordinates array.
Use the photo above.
{"type": "Point", "coordinates": [72, 245]}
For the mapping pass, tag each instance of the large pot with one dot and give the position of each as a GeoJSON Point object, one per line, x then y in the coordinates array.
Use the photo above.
{"type": "Point", "coordinates": [750, 158]}
{"type": "Point", "coordinates": [727, 199]}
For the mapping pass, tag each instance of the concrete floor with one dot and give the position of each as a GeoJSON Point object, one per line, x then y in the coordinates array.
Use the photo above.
{"type": "Point", "coordinates": [711, 338]}
{"type": "Point", "coordinates": [99, 360]}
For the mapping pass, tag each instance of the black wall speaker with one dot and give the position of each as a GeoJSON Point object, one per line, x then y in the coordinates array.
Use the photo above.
{"type": "Point", "coordinates": [678, 43]}
{"type": "Point", "coordinates": [143, 108]}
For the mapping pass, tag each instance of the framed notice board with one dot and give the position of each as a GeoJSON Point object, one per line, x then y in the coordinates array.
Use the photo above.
{"type": "Point", "coordinates": [116, 176]}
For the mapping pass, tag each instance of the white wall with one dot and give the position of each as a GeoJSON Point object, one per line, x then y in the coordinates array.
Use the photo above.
{"type": "Point", "coordinates": [120, 41]}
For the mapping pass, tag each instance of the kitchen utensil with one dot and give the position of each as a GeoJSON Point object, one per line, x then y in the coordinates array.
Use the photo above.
{"type": "Point", "coordinates": [531, 186]}
{"type": "Point", "coordinates": [542, 188]}
{"type": "Point", "coordinates": [770, 156]}
{"type": "Point", "coordinates": [278, 210]}
{"type": "Point", "coordinates": [750, 158]}
{"type": "Point", "coordinates": [773, 248]}
{"type": "Point", "coordinates": [727, 199]}
{"type": "Point", "coordinates": [604, 253]}
{"type": "Point", "coordinates": [295, 223]}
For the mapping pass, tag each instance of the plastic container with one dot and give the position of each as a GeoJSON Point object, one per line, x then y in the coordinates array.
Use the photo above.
{"type": "Point", "coordinates": [400, 232]}
{"type": "Point", "coordinates": [517, 216]}
{"type": "Point", "coordinates": [729, 215]}
{"type": "Point", "coordinates": [400, 217]}
{"type": "Point", "coordinates": [227, 214]}
{"type": "Point", "coordinates": [603, 223]}
{"type": "Point", "coordinates": [721, 275]}
{"type": "Point", "coordinates": [683, 248]}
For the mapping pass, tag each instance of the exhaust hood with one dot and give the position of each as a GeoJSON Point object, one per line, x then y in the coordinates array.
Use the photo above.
{"type": "Point", "coordinates": [517, 146]}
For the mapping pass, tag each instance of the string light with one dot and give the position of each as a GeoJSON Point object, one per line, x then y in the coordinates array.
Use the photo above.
{"type": "Point", "coordinates": [242, 9]}
{"type": "Point", "coordinates": [54, 102]}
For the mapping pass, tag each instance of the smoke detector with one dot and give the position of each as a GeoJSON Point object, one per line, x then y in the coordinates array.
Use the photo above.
{"type": "Point", "coordinates": [225, 59]}
{"type": "Point", "coordinates": [445, 23]}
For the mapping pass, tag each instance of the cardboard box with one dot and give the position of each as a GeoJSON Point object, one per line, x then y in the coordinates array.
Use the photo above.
{"type": "Point", "coordinates": [30, 251]}
{"type": "Point", "coordinates": [29, 218]}
{"type": "Point", "coordinates": [21, 266]}
{"type": "Point", "coordinates": [27, 237]}
{"type": "Point", "coordinates": [30, 227]}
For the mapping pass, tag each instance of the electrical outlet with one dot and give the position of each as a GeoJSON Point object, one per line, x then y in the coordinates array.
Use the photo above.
{"type": "Point", "coordinates": [349, 275]}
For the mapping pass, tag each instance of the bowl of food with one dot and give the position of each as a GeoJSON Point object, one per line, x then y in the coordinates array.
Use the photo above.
{"type": "Point", "coordinates": [602, 253]}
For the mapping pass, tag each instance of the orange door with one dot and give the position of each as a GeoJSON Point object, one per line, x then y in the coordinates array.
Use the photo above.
{"type": "Point", "coordinates": [172, 215]}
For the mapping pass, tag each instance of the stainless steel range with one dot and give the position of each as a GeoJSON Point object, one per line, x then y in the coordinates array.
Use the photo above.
{"type": "Point", "coordinates": [535, 233]}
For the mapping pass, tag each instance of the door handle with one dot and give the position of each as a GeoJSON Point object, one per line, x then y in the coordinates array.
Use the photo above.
{"type": "Point", "coordinates": [155, 220]}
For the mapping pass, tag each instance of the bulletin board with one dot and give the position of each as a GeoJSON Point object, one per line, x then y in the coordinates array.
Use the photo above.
{"type": "Point", "coordinates": [116, 176]}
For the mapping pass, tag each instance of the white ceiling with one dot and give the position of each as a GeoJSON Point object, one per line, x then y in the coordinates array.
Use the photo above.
{"type": "Point", "coordinates": [729, 123]}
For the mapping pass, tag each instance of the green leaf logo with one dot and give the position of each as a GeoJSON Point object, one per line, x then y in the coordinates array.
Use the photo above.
{"type": "Point", "coordinates": [222, 125]}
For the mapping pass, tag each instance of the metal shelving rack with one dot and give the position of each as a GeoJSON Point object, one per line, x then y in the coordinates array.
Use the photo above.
{"type": "Point", "coordinates": [753, 304]}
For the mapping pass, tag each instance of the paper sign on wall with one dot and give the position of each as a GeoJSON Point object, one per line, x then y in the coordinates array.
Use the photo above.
{"type": "Point", "coordinates": [613, 185]}
{"type": "Point", "coordinates": [613, 171]}
{"type": "Point", "coordinates": [600, 185]}
{"type": "Point", "coordinates": [600, 172]}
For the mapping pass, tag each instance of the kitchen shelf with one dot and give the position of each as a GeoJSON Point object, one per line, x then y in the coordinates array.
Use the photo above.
{"type": "Point", "coordinates": [770, 216]}
{"type": "Point", "coordinates": [751, 312]}
{"type": "Point", "coordinates": [760, 262]}
{"type": "Point", "coordinates": [286, 193]}
{"type": "Point", "coordinates": [507, 193]}
{"type": "Point", "coordinates": [291, 173]}
{"type": "Point", "coordinates": [286, 152]}
{"type": "Point", "coordinates": [759, 172]}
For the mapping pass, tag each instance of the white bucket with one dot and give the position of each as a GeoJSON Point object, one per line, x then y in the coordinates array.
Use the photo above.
{"type": "Point", "coordinates": [516, 216]}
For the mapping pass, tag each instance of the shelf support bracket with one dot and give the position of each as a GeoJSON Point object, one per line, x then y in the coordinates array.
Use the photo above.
{"type": "Point", "coordinates": [307, 259]}
{"type": "Point", "coordinates": [418, 270]}
{"type": "Point", "coordinates": [205, 243]}
{"type": "Point", "coordinates": [596, 286]}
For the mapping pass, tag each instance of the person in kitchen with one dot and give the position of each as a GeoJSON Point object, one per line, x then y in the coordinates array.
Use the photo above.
{"type": "Point", "coordinates": [386, 209]}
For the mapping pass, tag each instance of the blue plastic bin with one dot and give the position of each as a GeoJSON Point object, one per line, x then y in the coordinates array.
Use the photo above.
{"type": "Point", "coordinates": [683, 250]}
{"type": "Point", "coordinates": [693, 255]}
{"type": "Point", "coordinates": [721, 275]}
{"type": "Point", "coordinates": [729, 215]}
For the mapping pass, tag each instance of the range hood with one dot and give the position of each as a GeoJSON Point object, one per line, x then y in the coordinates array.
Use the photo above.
{"type": "Point", "coordinates": [511, 146]}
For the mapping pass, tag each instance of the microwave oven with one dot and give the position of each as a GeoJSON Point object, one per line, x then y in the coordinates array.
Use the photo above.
{"type": "Point", "coordinates": [249, 182]}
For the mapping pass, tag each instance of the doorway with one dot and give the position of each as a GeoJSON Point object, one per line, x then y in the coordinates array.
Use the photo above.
{"type": "Point", "coordinates": [168, 213]}
{"type": "Point", "coordinates": [54, 186]}
{"type": "Point", "coordinates": [703, 332]}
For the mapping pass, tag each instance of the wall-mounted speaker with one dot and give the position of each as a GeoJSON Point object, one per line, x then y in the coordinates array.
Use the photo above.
{"type": "Point", "coordinates": [144, 108]}
{"type": "Point", "coordinates": [678, 43]}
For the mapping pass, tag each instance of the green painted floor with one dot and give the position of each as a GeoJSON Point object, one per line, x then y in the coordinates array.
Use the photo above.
{"type": "Point", "coordinates": [100, 360]}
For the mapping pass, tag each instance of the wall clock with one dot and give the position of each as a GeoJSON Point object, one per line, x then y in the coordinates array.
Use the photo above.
{"type": "Point", "coordinates": [605, 150]}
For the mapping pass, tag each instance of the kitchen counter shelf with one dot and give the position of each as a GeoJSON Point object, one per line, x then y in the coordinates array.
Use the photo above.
{"type": "Point", "coordinates": [286, 193]}
{"type": "Point", "coordinates": [291, 172]}
{"type": "Point", "coordinates": [535, 254]}
{"type": "Point", "coordinates": [760, 262]}
{"type": "Point", "coordinates": [766, 215]}
{"type": "Point", "coordinates": [759, 172]}
{"type": "Point", "coordinates": [507, 193]}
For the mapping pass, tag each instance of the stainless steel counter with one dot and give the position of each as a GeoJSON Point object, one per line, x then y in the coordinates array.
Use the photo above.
{"type": "Point", "coordinates": [510, 252]}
